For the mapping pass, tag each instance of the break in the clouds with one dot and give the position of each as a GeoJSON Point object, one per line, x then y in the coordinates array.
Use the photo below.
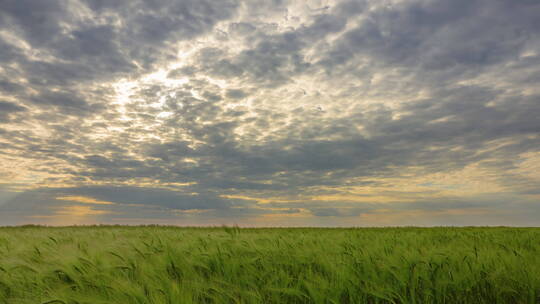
{"type": "Point", "coordinates": [264, 113]}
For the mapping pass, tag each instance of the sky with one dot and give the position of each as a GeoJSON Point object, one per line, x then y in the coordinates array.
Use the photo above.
{"type": "Point", "coordinates": [270, 113]}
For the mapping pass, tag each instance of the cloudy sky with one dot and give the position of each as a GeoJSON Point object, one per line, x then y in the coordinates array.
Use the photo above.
{"type": "Point", "coordinates": [270, 113]}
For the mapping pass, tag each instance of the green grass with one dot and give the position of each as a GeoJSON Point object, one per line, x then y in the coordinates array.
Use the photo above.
{"type": "Point", "coordinates": [230, 265]}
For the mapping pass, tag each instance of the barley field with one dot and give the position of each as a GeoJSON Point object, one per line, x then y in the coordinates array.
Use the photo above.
{"type": "Point", "coordinates": [157, 264]}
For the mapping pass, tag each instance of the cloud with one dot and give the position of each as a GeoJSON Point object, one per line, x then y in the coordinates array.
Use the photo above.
{"type": "Point", "coordinates": [162, 107]}
{"type": "Point", "coordinates": [8, 108]}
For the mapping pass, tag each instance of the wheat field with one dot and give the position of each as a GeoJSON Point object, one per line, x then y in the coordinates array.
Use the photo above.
{"type": "Point", "coordinates": [158, 264]}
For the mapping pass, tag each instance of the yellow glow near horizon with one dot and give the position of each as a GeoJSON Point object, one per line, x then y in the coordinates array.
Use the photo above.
{"type": "Point", "coordinates": [84, 200]}
{"type": "Point", "coordinates": [80, 211]}
{"type": "Point", "coordinates": [71, 215]}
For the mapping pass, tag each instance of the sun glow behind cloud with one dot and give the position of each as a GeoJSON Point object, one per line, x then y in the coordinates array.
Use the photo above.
{"type": "Point", "coordinates": [84, 200]}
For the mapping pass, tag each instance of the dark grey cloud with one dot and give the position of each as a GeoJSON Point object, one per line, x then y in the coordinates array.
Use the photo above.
{"type": "Point", "coordinates": [70, 102]}
{"type": "Point", "coordinates": [437, 35]}
{"type": "Point", "coordinates": [337, 211]}
{"type": "Point", "coordinates": [8, 52]}
{"type": "Point", "coordinates": [110, 204]}
{"type": "Point", "coordinates": [274, 58]}
{"type": "Point", "coordinates": [114, 40]}
{"type": "Point", "coordinates": [7, 108]}
{"type": "Point", "coordinates": [236, 94]}
{"type": "Point", "coordinates": [10, 87]}
{"type": "Point", "coordinates": [241, 28]}
{"type": "Point", "coordinates": [38, 21]}
{"type": "Point", "coordinates": [148, 196]}
{"type": "Point", "coordinates": [222, 162]}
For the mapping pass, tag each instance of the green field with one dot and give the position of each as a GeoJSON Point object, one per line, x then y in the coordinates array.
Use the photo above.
{"type": "Point", "coordinates": [118, 264]}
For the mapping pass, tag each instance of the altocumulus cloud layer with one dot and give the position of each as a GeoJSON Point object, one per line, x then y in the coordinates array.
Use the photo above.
{"type": "Point", "coordinates": [204, 112]}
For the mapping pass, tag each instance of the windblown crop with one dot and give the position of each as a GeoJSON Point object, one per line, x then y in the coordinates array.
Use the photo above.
{"type": "Point", "coordinates": [115, 264]}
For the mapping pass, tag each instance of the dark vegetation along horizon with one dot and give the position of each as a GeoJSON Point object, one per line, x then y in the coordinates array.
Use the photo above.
{"type": "Point", "coordinates": [166, 264]}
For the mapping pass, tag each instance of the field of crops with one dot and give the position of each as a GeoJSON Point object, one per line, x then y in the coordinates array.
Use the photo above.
{"type": "Point", "coordinates": [232, 265]}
